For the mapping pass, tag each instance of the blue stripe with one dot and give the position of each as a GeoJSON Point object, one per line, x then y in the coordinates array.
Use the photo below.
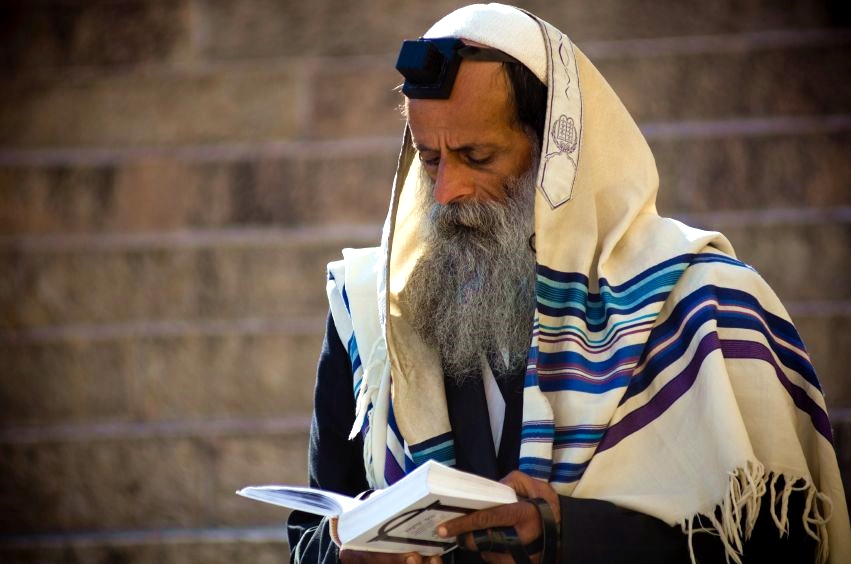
{"type": "Point", "coordinates": [757, 320]}
{"type": "Point", "coordinates": [536, 467]}
{"type": "Point", "coordinates": [582, 436]}
{"type": "Point", "coordinates": [552, 331]}
{"type": "Point", "coordinates": [566, 472]}
{"type": "Point", "coordinates": [562, 294]}
{"type": "Point", "coordinates": [541, 432]}
{"type": "Point", "coordinates": [768, 324]}
{"type": "Point", "coordinates": [407, 462]}
{"type": "Point", "coordinates": [346, 299]}
{"type": "Point", "coordinates": [440, 448]}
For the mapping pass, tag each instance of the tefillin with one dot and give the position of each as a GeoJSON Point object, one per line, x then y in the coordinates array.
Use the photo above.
{"type": "Point", "coordinates": [431, 65]}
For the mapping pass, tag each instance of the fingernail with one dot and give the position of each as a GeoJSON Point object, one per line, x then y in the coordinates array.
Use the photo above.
{"type": "Point", "coordinates": [410, 560]}
{"type": "Point", "coordinates": [442, 532]}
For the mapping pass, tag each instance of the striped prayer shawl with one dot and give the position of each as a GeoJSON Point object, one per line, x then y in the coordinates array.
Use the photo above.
{"type": "Point", "coordinates": [663, 374]}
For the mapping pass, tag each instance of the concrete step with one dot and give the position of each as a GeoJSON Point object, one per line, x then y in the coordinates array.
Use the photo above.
{"type": "Point", "coordinates": [841, 423]}
{"type": "Point", "coordinates": [160, 107]}
{"type": "Point", "coordinates": [76, 32]}
{"type": "Point", "coordinates": [703, 166]}
{"type": "Point", "coordinates": [287, 99]}
{"type": "Point", "coordinates": [827, 336]}
{"type": "Point", "coordinates": [239, 29]}
{"type": "Point", "coordinates": [78, 386]}
{"type": "Point", "coordinates": [319, 184]}
{"type": "Point", "coordinates": [161, 373]}
{"type": "Point", "coordinates": [733, 168]}
{"type": "Point", "coordinates": [805, 261]}
{"type": "Point", "coordinates": [97, 280]}
{"type": "Point", "coordinates": [220, 549]}
{"type": "Point", "coordinates": [102, 33]}
{"type": "Point", "coordinates": [120, 484]}
{"type": "Point", "coordinates": [181, 276]}
{"type": "Point", "coordinates": [777, 80]}
{"type": "Point", "coordinates": [117, 484]}
{"type": "Point", "coordinates": [657, 79]}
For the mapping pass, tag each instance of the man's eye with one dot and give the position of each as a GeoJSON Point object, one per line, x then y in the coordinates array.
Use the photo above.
{"type": "Point", "coordinates": [429, 161]}
{"type": "Point", "coordinates": [479, 160]}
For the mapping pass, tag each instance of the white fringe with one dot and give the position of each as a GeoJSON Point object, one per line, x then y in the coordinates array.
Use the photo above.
{"type": "Point", "coordinates": [733, 521]}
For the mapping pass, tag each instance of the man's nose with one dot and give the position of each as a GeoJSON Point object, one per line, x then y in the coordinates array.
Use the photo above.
{"type": "Point", "coordinates": [452, 183]}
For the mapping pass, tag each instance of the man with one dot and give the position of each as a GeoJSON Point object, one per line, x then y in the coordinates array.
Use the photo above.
{"type": "Point", "coordinates": [529, 317]}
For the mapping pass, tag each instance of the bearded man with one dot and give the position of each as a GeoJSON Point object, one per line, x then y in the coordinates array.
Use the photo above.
{"type": "Point", "coordinates": [529, 317]}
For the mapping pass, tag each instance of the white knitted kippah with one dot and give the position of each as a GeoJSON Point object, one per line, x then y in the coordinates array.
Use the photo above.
{"type": "Point", "coordinates": [499, 26]}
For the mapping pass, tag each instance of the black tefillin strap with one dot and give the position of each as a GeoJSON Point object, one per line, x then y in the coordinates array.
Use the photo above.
{"type": "Point", "coordinates": [506, 541]}
{"type": "Point", "coordinates": [431, 65]}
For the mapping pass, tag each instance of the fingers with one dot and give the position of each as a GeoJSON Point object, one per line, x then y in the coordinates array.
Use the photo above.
{"type": "Point", "coordinates": [529, 487]}
{"type": "Point", "coordinates": [521, 515]}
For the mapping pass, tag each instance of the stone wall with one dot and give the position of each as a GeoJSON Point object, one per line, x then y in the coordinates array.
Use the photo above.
{"type": "Point", "coordinates": [174, 175]}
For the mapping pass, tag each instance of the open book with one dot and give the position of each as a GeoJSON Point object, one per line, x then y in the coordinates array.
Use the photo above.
{"type": "Point", "coordinates": [401, 518]}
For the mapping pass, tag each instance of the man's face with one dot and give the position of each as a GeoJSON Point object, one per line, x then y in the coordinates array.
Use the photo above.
{"type": "Point", "coordinates": [471, 145]}
{"type": "Point", "coordinates": [471, 294]}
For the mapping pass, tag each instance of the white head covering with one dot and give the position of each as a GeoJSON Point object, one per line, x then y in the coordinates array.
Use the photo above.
{"type": "Point", "coordinates": [498, 26]}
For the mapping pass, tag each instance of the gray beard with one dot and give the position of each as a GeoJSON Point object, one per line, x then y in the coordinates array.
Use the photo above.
{"type": "Point", "coordinates": [472, 293]}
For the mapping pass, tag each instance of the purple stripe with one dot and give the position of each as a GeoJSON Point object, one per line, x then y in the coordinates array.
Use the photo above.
{"type": "Point", "coordinates": [552, 376]}
{"type": "Point", "coordinates": [750, 349]}
{"type": "Point", "coordinates": [392, 471]}
{"type": "Point", "coordinates": [582, 342]}
{"type": "Point", "coordinates": [663, 399]}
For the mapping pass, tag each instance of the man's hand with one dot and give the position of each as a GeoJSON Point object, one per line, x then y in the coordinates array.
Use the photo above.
{"type": "Point", "coordinates": [522, 516]}
{"type": "Point", "coordinates": [357, 557]}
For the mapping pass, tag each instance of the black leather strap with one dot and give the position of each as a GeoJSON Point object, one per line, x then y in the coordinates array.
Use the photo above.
{"type": "Point", "coordinates": [501, 539]}
{"type": "Point", "coordinates": [505, 539]}
{"type": "Point", "coordinates": [549, 531]}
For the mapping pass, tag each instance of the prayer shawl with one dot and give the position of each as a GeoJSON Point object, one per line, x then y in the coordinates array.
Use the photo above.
{"type": "Point", "coordinates": [663, 374]}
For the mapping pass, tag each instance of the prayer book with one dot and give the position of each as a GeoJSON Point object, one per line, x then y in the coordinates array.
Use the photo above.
{"type": "Point", "coordinates": [401, 518]}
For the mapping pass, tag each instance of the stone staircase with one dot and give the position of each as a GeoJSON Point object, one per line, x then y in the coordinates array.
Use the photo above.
{"type": "Point", "coordinates": [174, 175]}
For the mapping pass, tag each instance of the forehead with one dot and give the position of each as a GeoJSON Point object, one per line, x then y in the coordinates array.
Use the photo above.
{"type": "Point", "coordinates": [480, 101]}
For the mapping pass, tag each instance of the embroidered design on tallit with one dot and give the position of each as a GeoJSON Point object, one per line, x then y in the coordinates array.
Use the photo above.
{"type": "Point", "coordinates": [562, 134]}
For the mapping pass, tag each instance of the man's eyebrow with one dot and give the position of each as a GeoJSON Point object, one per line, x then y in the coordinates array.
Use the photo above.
{"type": "Point", "coordinates": [424, 148]}
{"type": "Point", "coordinates": [462, 149]}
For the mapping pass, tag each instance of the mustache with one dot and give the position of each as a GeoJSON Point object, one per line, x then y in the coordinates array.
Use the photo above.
{"type": "Point", "coordinates": [449, 220]}
{"type": "Point", "coordinates": [473, 218]}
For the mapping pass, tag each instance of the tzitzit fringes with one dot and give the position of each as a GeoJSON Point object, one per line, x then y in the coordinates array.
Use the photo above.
{"type": "Point", "coordinates": [735, 517]}
{"type": "Point", "coordinates": [817, 512]}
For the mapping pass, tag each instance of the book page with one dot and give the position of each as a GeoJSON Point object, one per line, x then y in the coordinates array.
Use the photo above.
{"type": "Point", "coordinates": [318, 502]}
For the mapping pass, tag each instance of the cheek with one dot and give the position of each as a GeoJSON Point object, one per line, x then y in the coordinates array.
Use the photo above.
{"type": "Point", "coordinates": [523, 157]}
{"type": "Point", "coordinates": [492, 188]}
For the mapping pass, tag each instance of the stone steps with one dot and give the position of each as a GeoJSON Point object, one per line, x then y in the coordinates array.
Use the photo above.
{"type": "Point", "coordinates": [138, 483]}
{"type": "Point", "coordinates": [703, 166]}
{"type": "Point", "coordinates": [284, 99]}
{"type": "Point", "coordinates": [278, 279]}
{"type": "Point", "coordinates": [174, 175]}
{"type": "Point", "coordinates": [733, 171]}
{"type": "Point", "coordinates": [101, 33]}
{"type": "Point", "coordinates": [109, 384]}
{"type": "Point", "coordinates": [827, 336]}
{"type": "Point", "coordinates": [261, 543]}
{"type": "Point", "coordinates": [210, 546]}
{"type": "Point", "coordinates": [172, 473]}
{"type": "Point", "coordinates": [275, 274]}
{"type": "Point", "coordinates": [163, 376]}
{"type": "Point", "coordinates": [166, 193]}
{"type": "Point", "coordinates": [170, 108]}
